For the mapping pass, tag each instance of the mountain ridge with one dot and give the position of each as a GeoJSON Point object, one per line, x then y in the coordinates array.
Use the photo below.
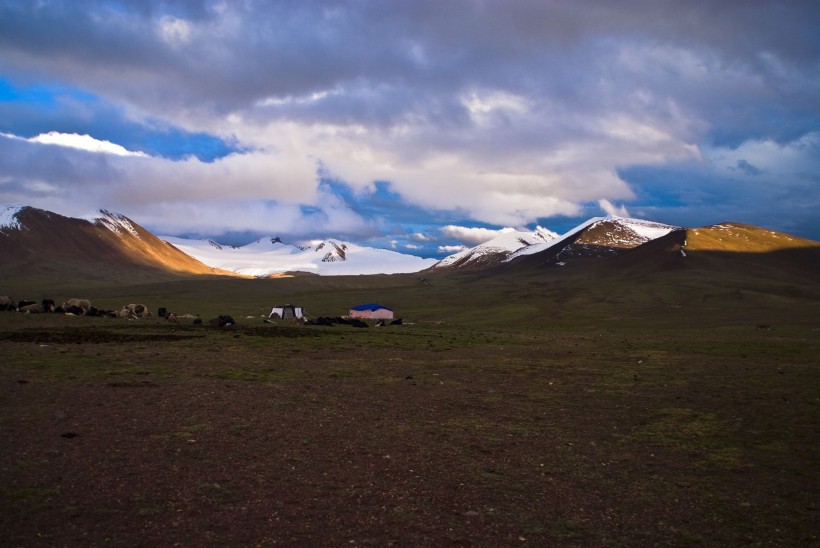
{"type": "Point", "coordinates": [109, 245]}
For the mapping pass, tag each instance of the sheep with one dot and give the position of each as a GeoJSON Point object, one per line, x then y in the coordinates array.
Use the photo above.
{"type": "Point", "coordinates": [34, 308]}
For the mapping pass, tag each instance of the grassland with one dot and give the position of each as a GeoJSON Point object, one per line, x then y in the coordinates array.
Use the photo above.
{"type": "Point", "coordinates": [507, 410]}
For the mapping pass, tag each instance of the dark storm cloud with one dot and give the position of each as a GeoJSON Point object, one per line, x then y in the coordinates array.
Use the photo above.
{"type": "Point", "coordinates": [228, 58]}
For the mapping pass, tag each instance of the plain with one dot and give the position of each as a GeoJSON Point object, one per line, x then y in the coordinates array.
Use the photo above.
{"type": "Point", "coordinates": [542, 407]}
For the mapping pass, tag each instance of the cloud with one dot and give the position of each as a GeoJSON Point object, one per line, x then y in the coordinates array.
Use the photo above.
{"type": "Point", "coordinates": [507, 113]}
{"type": "Point", "coordinates": [450, 249]}
{"type": "Point", "coordinates": [782, 194]}
{"type": "Point", "coordinates": [748, 168]}
{"type": "Point", "coordinates": [610, 209]}
{"type": "Point", "coordinates": [419, 237]}
{"type": "Point", "coordinates": [84, 142]}
{"type": "Point", "coordinates": [473, 235]}
{"type": "Point", "coordinates": [259, 191]}
{"type": "Point", "coordinates": [174, 31]}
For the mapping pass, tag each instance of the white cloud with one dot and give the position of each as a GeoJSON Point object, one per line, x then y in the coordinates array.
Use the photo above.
{"type": "Point", "coordinates": [84, 142]}
{"type": "Point", "coordinates": [473, 235]}
{"type": "Point", "coordinates": [611, 209]}
{"type": "Point", "coordinates": [262, 191]}
{"type": "Point", "coordinates": [174, 31]}
{"type": "Point", "coordinates": [450, 249]}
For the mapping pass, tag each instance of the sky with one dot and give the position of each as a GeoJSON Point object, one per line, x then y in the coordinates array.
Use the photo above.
{"type": "Point", "coordinates": [422, 126]}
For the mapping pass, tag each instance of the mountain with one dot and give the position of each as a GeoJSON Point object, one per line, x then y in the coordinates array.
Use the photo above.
{"type": "Point", "coordinates": [597, 237]}
{"type": "Point", "coordinates": [732, 252]}
{"type": "Point", "coordinates": [497, 250]}
{"type": "Point", "coordinates": [270, 256]}
{"type": "Point", "coordinates": [38, 244]}
{"type": "Point", "coordinates": [41, 243]}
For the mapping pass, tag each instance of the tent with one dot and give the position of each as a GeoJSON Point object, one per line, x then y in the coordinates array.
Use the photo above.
{"type": "Point", "coordinates": [286, 311]}
{"type": "Point", "coordinates": [372, 311]}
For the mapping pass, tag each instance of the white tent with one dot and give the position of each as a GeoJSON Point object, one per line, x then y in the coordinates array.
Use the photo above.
{"type": "Point", "coordinates": [286, 311]}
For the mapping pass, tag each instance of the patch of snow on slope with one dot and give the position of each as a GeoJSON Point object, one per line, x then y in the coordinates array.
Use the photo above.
{"type": "Point", "coordinates": [8, 216]}
{"type": "Point", "coordinates": [648, 229]}
{"type": "Point", "coordinates": [116, 222]}
{"type": "Point", "coordinates": [268, 256]}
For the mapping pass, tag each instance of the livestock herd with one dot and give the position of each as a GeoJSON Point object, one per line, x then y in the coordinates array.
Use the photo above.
{"type": "Point", "coordinates": [74, 307]}
{"type": "Point", "coordinates": [83, 307]}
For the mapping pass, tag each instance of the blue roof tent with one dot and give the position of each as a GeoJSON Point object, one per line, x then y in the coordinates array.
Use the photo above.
{"type": "Point", "coordinates": [372, 311]}
{"type": "Point", "coordinates": [371, 307]}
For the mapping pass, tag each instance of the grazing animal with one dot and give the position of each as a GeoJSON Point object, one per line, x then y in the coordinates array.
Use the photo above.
{"type": "Point", "coordinates": [172, 317]}
{"type": "Point", "coordinates": [162, 312]}
{"type": "Point", "coordinates": [358, 323]}
{"type": "Point", "coordinates": [134, 311]}
{"type": "Point", "coordinates": [48, 305]}
{"type": "Point", "coordinates": [396, 322]}
{"type": "Point", "coordinates": [23, 303]}
{"type": "Point", "coordinates": [33, 308]}
{"type": "Point", "coordinates": [763, 327]}
{"type": "Point", "coordinates": [222, 321]}
{"type": "Point", "coordinates": [7, 303]}
{"type": "Point", "coordinates": [82, 304]}
{"type": "Point", "coordinates": [323, 321]}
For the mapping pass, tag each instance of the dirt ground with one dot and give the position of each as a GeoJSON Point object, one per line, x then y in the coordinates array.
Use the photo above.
{"type": "Point", "coordinates": [119, 433]}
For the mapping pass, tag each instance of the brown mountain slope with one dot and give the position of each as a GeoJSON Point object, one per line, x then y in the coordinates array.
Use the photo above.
{"type": "Point", "coordinates": [730, 251]}
{"type": "Point", "coordinates": [727, 263]}
{"type": "Point", "coordinates": [47, 244]}
{"type": "Point", "coordinates": [744, 238]}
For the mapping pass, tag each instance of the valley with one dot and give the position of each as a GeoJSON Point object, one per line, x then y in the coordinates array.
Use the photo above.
{"type": "Point", "coordinates": [513, 409]}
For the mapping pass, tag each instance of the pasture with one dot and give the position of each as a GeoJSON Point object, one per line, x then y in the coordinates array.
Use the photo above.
{"type": "Point", "coordinates": [506, 411]}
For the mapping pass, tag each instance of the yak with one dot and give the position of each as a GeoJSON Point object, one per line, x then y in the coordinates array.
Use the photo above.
{"type": "Point", "coordinates": [33, 308]}
{"type": "Point", "coordinates": [83, 304]}
{"type": "Point", "coordinates": [7, 303]}
{"type": "Point", "coordinates": [222, 321]}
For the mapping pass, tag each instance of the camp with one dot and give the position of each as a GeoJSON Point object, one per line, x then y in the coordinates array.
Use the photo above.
{"type": "Point", "coordinates": [286, 311]}
{"type": "Point", "coordinates": [372, 311]}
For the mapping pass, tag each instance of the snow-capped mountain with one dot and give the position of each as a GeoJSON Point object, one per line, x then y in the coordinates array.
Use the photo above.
{"type": "Point", "coordinates": [599, 237]}
{"type": "Point", "coordinates": [498, 249]}
{"type": "Point", "coordinates": [270, 256]}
